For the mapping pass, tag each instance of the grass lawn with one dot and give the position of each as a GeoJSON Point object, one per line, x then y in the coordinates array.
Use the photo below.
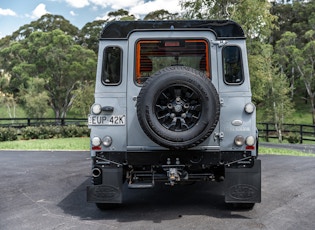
{"type": "Point", "coordinates": [285, 152]}
{"type": "Point", "coordinates": [76, 143]}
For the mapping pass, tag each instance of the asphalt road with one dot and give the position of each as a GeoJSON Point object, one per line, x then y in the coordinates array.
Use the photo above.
{"type": "Point", "coordinates": [46, 190]}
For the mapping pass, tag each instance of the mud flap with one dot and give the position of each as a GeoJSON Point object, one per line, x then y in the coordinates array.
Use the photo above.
{"type": "Point", "coordinates": [243, 185]}
{"type": "Point", "coordinates": [110, 191]}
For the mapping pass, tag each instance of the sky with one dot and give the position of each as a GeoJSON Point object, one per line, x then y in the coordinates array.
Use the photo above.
{"type": "Point", "coordinates": [16, 13]}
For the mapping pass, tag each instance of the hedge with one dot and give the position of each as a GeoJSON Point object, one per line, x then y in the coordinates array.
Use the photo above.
{"type": "Point", "coordinates": [8, 134]}
{"type": "Point", "coordinates": [43, 132]}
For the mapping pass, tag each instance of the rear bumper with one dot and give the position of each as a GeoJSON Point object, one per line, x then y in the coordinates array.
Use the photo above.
{"type": "Point", "coordinates": [161, 157]}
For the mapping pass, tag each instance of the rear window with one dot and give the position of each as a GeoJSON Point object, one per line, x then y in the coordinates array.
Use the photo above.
{"type": "Point", "coordinates": [232, 65]}
{"type": "Point", "coordinates": [153, 55]}
{"type": "Point", "coordinates": [111, 70]}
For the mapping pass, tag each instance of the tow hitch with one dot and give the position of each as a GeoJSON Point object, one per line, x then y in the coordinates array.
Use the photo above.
{"type": "Point", "coordinates": [174, 173]}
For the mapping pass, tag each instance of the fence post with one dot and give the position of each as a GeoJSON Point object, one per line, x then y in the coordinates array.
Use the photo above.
{"type": "Point", "coordinates": [267, 131]}
{"type": "Point", "coordinates": [28, 121]}
{"type": "Point", "coordinates": [301, 134]}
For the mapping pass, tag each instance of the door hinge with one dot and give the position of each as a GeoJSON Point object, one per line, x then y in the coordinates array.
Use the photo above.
{"type": "Point", "coordinates": [218, 43]}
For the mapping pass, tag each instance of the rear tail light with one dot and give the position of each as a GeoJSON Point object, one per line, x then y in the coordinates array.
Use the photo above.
{"type": "Point", "coordinates": [239, 140]}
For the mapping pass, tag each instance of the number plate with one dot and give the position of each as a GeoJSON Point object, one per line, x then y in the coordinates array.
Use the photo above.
{"type": "Point", "coordinates": [107, 120]}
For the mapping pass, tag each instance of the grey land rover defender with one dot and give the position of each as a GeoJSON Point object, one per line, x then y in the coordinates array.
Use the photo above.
{"type": "Point", "coordinates": [173, 105]}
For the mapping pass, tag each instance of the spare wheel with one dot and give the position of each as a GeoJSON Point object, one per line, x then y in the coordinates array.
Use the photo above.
{"type": "Point", "coordinates": [178, 107]}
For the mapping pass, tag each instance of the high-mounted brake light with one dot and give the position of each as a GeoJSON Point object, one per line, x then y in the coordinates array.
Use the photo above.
{"type": "Point", "coordinates": [171, 43]}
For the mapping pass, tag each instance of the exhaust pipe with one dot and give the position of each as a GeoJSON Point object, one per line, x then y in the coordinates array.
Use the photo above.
{"type": "Point", "coordinates": [96, 172]}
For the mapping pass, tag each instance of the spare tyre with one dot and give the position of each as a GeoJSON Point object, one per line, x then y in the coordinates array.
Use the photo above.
{"type": "Point", "coordinates": [178, 107]}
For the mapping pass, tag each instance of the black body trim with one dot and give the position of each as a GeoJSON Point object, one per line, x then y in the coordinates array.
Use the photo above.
{"type": "Point", "coordinates": [222, 28]}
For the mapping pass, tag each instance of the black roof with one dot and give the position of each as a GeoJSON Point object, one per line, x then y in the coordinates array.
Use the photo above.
{"type": "Point", "coordinates": [221, 28]}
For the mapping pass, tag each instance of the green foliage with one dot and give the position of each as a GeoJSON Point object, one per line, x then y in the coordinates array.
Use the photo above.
{"type": "Point", "coordinates": [253, 15]}
{"type": "Point", "coordinates": [277, 104]}
{"type": "Point", "coordinates": [31, 132]}
{"type": "Point", "coordinates": [90, 33]}
{"type": "Point", "coordinates": [299, 60]}
{"type": "Point", "coordinates": [46, 23]}
{"type": "Point", "coordinates": [259, 64]}
{"type": "Point", "coordinates": [277, 101]}
{"type": "Point", "coordinates": [10, 112]}
{"type": "Point", "coordinates": [293, 138]}
{"type": "Point", "coordinates": [84, 98]}
{"type": "Point", "coordinates": [298, 18]}
{"type": "Point", "coordinates": [57, 60]}
{"type": "Point", "coordinates": [118, 13]}
{"type": "Point", "coordinates": [46, 132]}
{"type": "Point", "coordinates": [34, 98]}
{"type": "Point", "coordinates": [255, 18]}
{"type": "Point", "coordinates": [121, 15]}
{"type": "Point", "coordinates": [8, 134]}
{"type": "Point", "coordinates": [75, 131]}
{"type": "Point", "coordinates": [161, 15]}
{"type": "Point", "coordinates": [10, 103]}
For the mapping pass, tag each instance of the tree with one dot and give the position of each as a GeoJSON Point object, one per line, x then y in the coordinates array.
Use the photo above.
{"type": "Point", "coordinates": [252, 15]}
{"type": "Point", "coordinates": [298, 17]}
{"type": "Point", "coordinates": [84, 98]}
{"type": "Point", "coordinates": [302, 59]}
{"type": "Point", "coordinates": [161, 15]}
{"type": "Point", "coordinates": [46, 23]}
{"type": "Point", "coordinates": [90, 33]}
{"type": "Point", "coordinates": [34, 99]}
{"type": "Point", "coordinates": [5, 41]}
{"type": "Point", "coordinates": [6, 98]}
{"type": "Point", "coordinates": [283, 57]}
{"type": "Point", "coordinates": [305, 64]}
{"type": "Point", "coordinates": [201, 9]}
{"type": "Point", "coordinates": [257, 68]}
{"type": "Point", "coordinates": [55, 58]}
{"type": "Point", "coordinates": [277, 104]}
{"type": "Point", "coordinates": [121, 15]}
{"type": "Point", "coordinates": [11, 56]}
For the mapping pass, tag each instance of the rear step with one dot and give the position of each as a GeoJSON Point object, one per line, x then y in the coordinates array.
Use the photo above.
{"type": "Point", "coordinates": [134, 182]}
